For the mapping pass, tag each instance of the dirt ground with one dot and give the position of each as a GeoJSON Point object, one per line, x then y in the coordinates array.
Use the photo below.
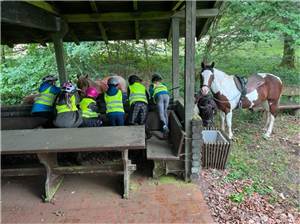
{"type": "Point", "coordinates": [97, 199]}
{"type": "Point", "coordinates": [262, 181]}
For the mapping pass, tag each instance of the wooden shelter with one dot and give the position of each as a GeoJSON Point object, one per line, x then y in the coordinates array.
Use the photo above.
{"type": "Point", "coordinates": [76, 21]}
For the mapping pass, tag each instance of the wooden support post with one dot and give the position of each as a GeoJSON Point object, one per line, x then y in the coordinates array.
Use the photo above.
{"type": "Point", "coordinates": [189, 81]}
{"type": "Point", "coordinates": [60, 58]}
{"type": "Point", "coordinates": [59, 52]}
{"type": "Point", "coordinates": [128, 170]}
{"type": "Point", "coordinates": [53, 180]}
{"type": "Point", "coordinates": [175, 58]}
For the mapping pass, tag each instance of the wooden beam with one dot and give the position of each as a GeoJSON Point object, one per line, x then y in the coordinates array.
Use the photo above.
{"type": "Point", "coordinates": [175, 7]}
{"type": "Point", "coordinates": [117, 16]}
{"type": "Point", "coordinates": [99, 24]}
{"type": "Point", "coordinates": [74, 37]}
{"type": "Point", "coordinates": [60, 57]}
{"type": "Point", "coordinates": [23, 14]}
{"type": "Point", "coordinates": [137, 32]}
{"type": "Point", "coordinates": [136, 23]}
{"type": "Point", "coordinates": [189, 80]}
{"type": "Point", "coordinates": [218, 4]}
{"type": "Point", "coordinates": [135, 5]}
{"type": "Point", "coordinates": [175, 58]}
{"type": "Point", "coordinates": [44, 5]}
{"type": "Point", "coordinates": [200, 13]}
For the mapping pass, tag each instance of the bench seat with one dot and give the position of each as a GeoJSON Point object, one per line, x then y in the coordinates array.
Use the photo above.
{"type": "Point", "coordinates": [46, 143]}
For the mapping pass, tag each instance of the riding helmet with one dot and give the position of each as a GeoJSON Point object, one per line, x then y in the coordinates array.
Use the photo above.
{"type": "Point", "coordinates": [113, 81]}
{"type": "Point", "coordinates": [156, 77]}
{"type": "Point", "coordinates": [68, 87]}
{"type": "Point", "coordinates": [134, 78]}
{"type": "Point", "coordinates": [49, 78]}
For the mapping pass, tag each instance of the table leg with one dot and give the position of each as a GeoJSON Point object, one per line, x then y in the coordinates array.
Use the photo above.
{"type": "Point", "coordinates": [128, 169]}
{"type": "Point", "coordinates": [53, 180]}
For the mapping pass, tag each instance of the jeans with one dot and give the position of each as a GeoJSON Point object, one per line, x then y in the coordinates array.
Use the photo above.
{"type": "Point", "coordinates": [116, 119]}
{"type": "Point", "coordinates": [162, 102]}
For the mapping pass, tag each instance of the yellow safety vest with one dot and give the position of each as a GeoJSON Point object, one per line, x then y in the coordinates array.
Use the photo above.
{"type": "Point", "coordinates": [137, 93]}
{"type": "Point", "coordinates": [45, 97]}
{"type": "Point", "coordinates": [86, 111]}
{"type": "Point", "coordinates": [159, 88]}
{"type": "Point", "coordinates": [65, 108]}
{"type": "Point", "coordinates": [114, 103]}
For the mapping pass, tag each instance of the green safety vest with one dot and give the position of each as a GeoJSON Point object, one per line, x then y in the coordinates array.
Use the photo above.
{"type": "Point", "coordinates": [137, 93]}
{"type": "Point", "coordinates": [65, 108]}
{"type": "Point", "coordinates": [114, 103]}
{"type": "Point", "coordinates": [45, 97]}
{"type": "Point", "coordinates": [159, 88]}
{"type": "Point", "coordinates": [86, 111]}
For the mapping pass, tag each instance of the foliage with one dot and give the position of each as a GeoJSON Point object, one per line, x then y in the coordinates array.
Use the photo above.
{"type": "Point", "coordinates": [244, 21]}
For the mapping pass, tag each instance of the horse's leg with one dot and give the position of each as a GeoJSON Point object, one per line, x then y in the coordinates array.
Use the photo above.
{"type": "Point", "coordinates": [266, 107]}
{"type": "Point", "coordinates": [222, 114]}
{"type": "Point", "coordinates": [273, 106]}
{"type": "Point", "coordinates": [229, 121]}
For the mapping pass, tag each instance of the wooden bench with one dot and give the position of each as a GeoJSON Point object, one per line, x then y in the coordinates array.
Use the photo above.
{"type": "Point", "coordinates": [166, 153]}
{"type": "Point", "coordinates": [46, 143]}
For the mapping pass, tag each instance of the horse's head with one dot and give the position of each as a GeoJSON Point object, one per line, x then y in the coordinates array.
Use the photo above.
{"type": "Point", "coordinates": [83, 82]}
{"type": "Point", "coordinates": [207, 109]}
{"type": "Point", "coordinates": [207, 77]}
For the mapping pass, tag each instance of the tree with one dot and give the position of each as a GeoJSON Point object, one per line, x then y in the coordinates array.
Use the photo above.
{"type": "Point", "coordinates": [243, 21]}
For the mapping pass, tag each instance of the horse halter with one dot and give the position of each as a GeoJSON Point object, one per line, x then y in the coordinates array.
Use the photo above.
{"type": "Point", "coordinates": [211, 77]}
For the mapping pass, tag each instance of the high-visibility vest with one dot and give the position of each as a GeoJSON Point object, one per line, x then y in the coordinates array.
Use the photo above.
{"type": "Point", "coordinates": [114, 103]}
{"type": "Point", "coordinates": [67, 108]}
{"type": "Point", "coordinates": [45, 97]}
{"type": "Point", "coordinates": [137, 93]}
{"type": "Point", "coordinates": [159, 88]}
{"type": "Point", "coordinates": [86, 111]}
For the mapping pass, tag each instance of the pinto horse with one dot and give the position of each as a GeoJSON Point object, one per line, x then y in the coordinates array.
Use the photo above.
{"type": "Point", "coordinates": [261, 89]}
{"type": "Point", "coordinates": [84, 82]}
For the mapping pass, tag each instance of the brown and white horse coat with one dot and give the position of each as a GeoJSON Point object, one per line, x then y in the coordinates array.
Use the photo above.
{"type": "Point", "coordinates": [227, 95]}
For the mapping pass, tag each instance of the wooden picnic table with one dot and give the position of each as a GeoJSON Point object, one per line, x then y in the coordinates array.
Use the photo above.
{"type": "Point", "coordinates": [46, 143]}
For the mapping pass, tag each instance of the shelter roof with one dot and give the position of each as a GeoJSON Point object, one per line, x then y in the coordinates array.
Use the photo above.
{"type": "Point", "coordinates": [35, 21]}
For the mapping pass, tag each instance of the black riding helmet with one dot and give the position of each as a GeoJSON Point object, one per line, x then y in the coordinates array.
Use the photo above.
{"type": "Point", "coordinates": [134, 78]}
{"type": "Point", "coordinates": [156, 77]}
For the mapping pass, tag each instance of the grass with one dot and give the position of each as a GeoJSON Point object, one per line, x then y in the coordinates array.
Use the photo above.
{"type": "Point", "coordinates": [271, 164]}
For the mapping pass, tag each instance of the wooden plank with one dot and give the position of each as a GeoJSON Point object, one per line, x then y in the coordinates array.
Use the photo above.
{"type": "Point", "coordinates": [117, 16]}
{"type": "Point", "coordinates": [189, 81]}
{"type": "Point", "coordinates": [176, 134]}
{"type": "Point", "coordinates": [44, 5]}
{"type": "Point", "coordinates": [36, 171]}
{"type": "Point", "coordinates": [73, 139]}
{"type": "Point", "coordinates": [200, 13]}
{"type": "Point", "coordinates": [175, 57]}
{"type": "Point", "coordinates": [158, 149]}
{"type": "Point", "coordinates": [23, 14]}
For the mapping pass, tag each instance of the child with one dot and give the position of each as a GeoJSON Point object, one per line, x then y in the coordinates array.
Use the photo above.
{"type": "Point", "coordinates": [114, 103]}
{"type": "Point", "coordinates": [138, 101]}
{"type": "Point", "coordinates": [90, 111]}
{"type": "Point", "coordinates": [68, 115]}
{"type": "Point", "coordinates": [43, 104]}
{"type": "Point", "coordinates": [160, 95]}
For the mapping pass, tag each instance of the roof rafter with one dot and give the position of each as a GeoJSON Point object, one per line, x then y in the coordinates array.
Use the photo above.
{"type": "Point", "coordinates": [175, 7]}
{"type": "Point", "coordinates": [136, 23]}
{"type": "Point", "coordinates": [44, 5]}
{"type": "Point", "coordinates": [218, 4]}
{"type": "Point", "coordinates": [132, 16]}
{"type": "Point", "coordinates": [99, 24]}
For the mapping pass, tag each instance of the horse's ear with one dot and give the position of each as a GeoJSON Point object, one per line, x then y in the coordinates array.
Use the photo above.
{"type": "Point", "coordinates": [202, 64]}
{"type": "Point", "coordinates": [212, 64]}
{"type": "Point", "coordinates": [86, 76]}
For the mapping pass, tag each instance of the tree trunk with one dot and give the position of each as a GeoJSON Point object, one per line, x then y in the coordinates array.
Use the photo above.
{"type": "Point", "coordinates": [2, 54]}
{"type": "Point", "coordinates": [288, 58]}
